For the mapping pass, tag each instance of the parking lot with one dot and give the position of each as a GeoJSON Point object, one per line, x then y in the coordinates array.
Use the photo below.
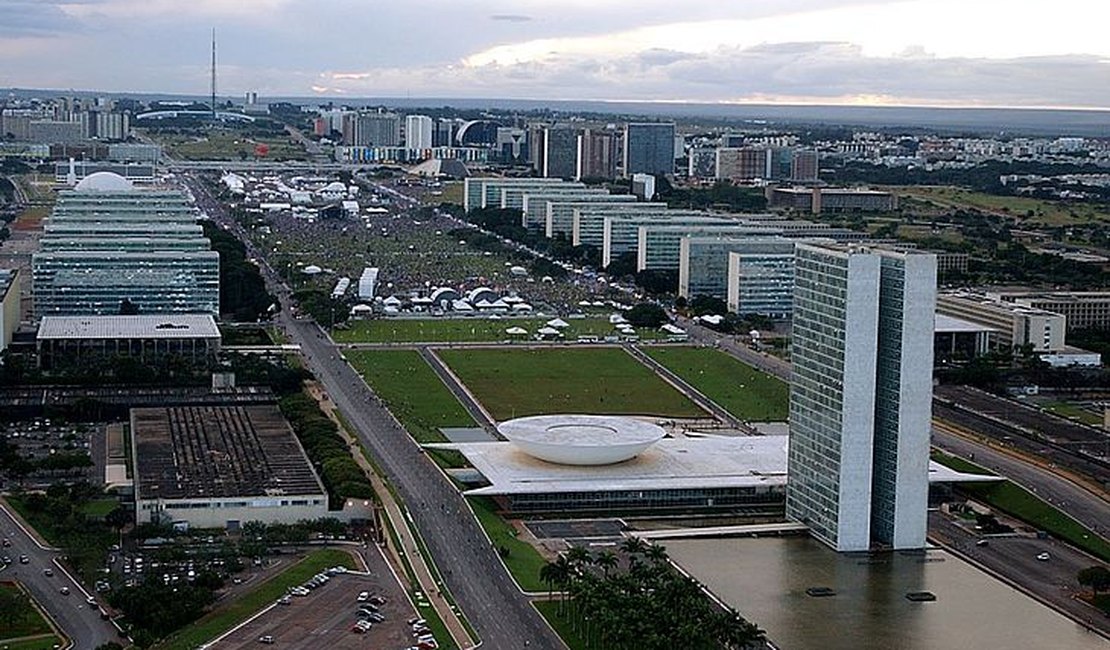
{"type": "Point", "coordinates": [324, 618]}
{"type": "Point", "coordinates": [55, 450]}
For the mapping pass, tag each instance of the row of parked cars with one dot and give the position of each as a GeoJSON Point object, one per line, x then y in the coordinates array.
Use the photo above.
{"type": "Point", "coordinates": [425, 640]}
{"type": "Point", "coordinates": [368, 612]}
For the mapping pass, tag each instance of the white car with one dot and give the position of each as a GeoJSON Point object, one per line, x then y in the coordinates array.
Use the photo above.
{"type": "Point", "coordinates": [1044, 557]}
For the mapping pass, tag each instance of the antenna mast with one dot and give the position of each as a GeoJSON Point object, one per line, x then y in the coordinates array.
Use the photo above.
{"type": "Point", "coordinates": [213, 73]}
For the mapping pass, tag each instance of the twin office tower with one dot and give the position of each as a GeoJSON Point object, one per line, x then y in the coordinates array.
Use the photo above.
{"type": "Point", "coordinates": [861, 395]}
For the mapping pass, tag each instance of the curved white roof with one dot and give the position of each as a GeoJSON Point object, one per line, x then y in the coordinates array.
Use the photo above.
{"type": "Point", "coordinates": [104, 182]}
{"type": "Point", "coordinates": [581, 439]}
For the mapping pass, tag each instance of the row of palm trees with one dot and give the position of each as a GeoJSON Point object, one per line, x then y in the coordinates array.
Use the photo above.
{"type": "Point", "coordinates": [637, 600]}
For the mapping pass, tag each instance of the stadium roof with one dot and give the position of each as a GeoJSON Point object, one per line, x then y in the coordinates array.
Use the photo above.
{"type": "Point", "coordinates": [152, 326]}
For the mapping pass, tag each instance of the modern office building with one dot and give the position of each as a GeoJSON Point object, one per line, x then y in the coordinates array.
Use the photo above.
{"type": "Point", "coordinates": [377, 130]}
{"type": "Point", "coordinates": [418, 132]}
{"type": "Point", "coordinates": [107, 245]}
{"type": "Point", "coordinates": [761, 278]}
{"type": "Point", "coordinates": [560, 212]}
{"type": "Point", "coordinates": [587, 225]}
{"type": "Point", "coordinates": [1082, 309]}
{"type": "Point", "coordinates": [221, 467]}
{"type": "Point", "coordinates": [861, 395]}
{"type": "Point", "coordinates": [597, 154]}
{"type": "Point", "coordinates": [621, 234]}
{"type": "Point", "coordinates": [534, 204]}
{"type": "Point", "coordinates": [512, 196]}
{"type": "Point", "coordinates": [828, 199]}
{"type": "Point", "coordinates": [743, 164]}
{"type": "Point", "coordinates": [560, 152]}
{"type": "Point", "coordinates": [649, 148]}
{"type": "Point", "coordinates": [9, 306]}
{"type": "Point", "coordinates": [76, 340]}
{"type": "Point", "coordinates": [702, 163]}
{"type": "Point", "coordinates": [512, 145]}
{"type": "Point", "coordinates": [1016, 324]}
{"type": "Point", "coordinates": [658, 244]}
{"type": "Point", "coordinates": [482, 192]}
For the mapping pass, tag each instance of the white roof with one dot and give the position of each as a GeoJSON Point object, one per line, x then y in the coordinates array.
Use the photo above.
{"type": "Point", "coordinates": [670, 464]}
{"type": "Point", "coordinates": [149, 326]}
{"type": "Point", "coordinates": [558, 323]}
{"type": "Point", "coordinates": [104, 182]}
{"type": "Point", "coordinates": [950, 325]}
{"type": "Point", "coordinates": [518, 331]}
{"type": "Point", "coordinates": [547, 331]}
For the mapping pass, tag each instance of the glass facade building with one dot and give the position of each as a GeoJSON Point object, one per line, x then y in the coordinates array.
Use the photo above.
{"type": "Point", "coordinates": [861, 394]}
{"type": "Point", "coordinates": [649, 148]}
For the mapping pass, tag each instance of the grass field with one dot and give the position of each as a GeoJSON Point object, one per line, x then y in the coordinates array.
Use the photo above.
{"type": "Point", "coordinates": [99, 508]}
{"type": "Point", "coordinates": [562, 625]}
{"type": "Point", "coordinates": [745, 392]}
{"type": "Point", "coordinates": [458, 330]}
{"type": "Point", "coordinates": [412, 391]}
{"type": "Point", "coordinates": [523, 561]}
{"type": "Point", "coordinates": [22, 620]}
{"type": "Point", "coordinates": [514, 383]}
{"type": "Point", "coordinates": [220, 620]}
{"type": "Point", "coordinates": [43, 642]}
{"type": "Point", "coordinates": [1024, 208]}
{"type": "Point", "coordinates": [228, 145]}
{"type": "Point", "coordinates": [1073, 411]}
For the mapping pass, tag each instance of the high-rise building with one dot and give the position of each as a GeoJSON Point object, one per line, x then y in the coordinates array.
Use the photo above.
{"type": "Point", "coordinates": [377, 130]}
{"type": "Point", "coordinates": [597, 154]}
{"type": "Point", "coordinates": [804, 166]}
{"type": "Point", "coordinates": [443, 135]}
{"type": "Point", "coordinates": [702, 163]}
{"type": "Point", "coordinates": [649, 148]}
{"type": "Point", "coordinates": [560, 152]}
{"type": "Point", "coordinates": [861, 395]}
{"type": "Point", "coordinates": [9, 305]}
{"type": "Point", "coordinates": [418, 132]}
{"type": "Point", "coordinates": [512, 145]}
{"type": "Point", "coordinates": [744, 164]}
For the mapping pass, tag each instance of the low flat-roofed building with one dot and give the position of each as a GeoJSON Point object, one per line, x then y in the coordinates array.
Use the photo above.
{"type": "Point", "coordinates": [221, 467]}
{"type": "Point", "coordinates": [737, 473]}
{"type": "Point", "coordinates": [1016, 325]}
{"type": "Point", "coordinates": [1083, 309]}
{"type": "Point", "coordinates": [829, 199]}
{"type": "Point", "coordinates": [66, 340]}
{"type": "Point", "coordinates": [9, 305]}
{"type": "Point", "coordinates": [959, 339]}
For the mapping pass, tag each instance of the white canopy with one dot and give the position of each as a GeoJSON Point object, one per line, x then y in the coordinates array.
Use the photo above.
{"type": "Point", "coordinates": [516, 331]}
{"type": "Point", "coordinates": [548, 331]}
{"type": "Point", "coordinates": [558, 322]}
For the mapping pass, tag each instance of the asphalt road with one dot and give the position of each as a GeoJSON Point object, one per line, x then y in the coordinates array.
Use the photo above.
{"type": "Point", "coordinates": [78, 621]}
{"type": "Point", "coordinates": [1014, 558]}
{"type": "Point", "coordinates": [1087, 508]}
{"type": "Point", "coordinates": [491, 601]}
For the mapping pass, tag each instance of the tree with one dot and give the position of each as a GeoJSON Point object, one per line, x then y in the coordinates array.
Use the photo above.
{"type": "Point", "coordinates": [128, 308]}
{"type": "Point", "coordinates": [1097, 578]}
{"type": "Point", "coordinates": [646, 314]}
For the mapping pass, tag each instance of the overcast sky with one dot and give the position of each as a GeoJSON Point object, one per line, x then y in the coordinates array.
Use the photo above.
{"type": "Point", "coordinates": [919, 52]}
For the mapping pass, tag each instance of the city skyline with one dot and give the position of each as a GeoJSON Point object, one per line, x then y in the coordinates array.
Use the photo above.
{"type": "Point", "coordinates": [801, 52]}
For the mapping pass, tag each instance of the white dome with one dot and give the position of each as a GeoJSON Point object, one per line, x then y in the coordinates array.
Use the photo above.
{"type": "Point", "coordinates": [581, 439]}
{"type": "Point", "coordinates": [312, 269]}
{"type": "Point", "coordinates": [104, 182]}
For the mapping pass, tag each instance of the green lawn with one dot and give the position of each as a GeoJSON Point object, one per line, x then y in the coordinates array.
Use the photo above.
{"type": "Point", "coordinates": [517, 382]}
{"type": "Point", "coordinates": [464, 330]}
{"type": "Point", "coordinates": [1073, 411]}
{"type": "Point", "coordinates": [44, 642]}
{"type": "Point", "coordinates": [1035, 210]}
{"type": "Point", "coordinates": [99, 508]}
{"type": "Point", "coordinates": [524, 561]}
{"type": "Point", "coordinates": [1020, 503]}
{"type": "Point", "coordinates": [414, 393]}
{"type": "Point", "coordinates": [22, 619]}
{"type": "Point", "coordinates": [745, 392]}
{"type": "Point", "coordinates": [220, 620]}
{"type": "Point", "coordinates": [562, 625]}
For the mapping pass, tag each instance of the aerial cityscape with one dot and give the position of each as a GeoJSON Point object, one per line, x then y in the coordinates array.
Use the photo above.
{"type": "Point", "coordinates": [554, 325]}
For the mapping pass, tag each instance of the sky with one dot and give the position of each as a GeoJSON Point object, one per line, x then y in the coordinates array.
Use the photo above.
{"type": "Point", "coordinates": [1022, 53]}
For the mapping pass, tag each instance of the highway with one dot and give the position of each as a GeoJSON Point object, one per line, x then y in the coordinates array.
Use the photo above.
{"type": "Point", "coordinates": [79, 621]}
{"type": "Point", "coordinates": [491, 601]}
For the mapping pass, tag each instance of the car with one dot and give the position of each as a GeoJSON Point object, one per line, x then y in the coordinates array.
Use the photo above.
{"type": "Point", "coordinates": [285, 600]}
{"type": "Point", "coordinates": [1043, 557]}
{"type": "Point", "coordinates": [267, 639]}
{"type": "Point", "coordinates": [23, 559]}
{"type": "Point", "coordinates": [983, 542]}
{"type": "Point", "coordinates": [48, 572]}
{"type": "Point", "coordinates": [6, 560]}
{"type": "Point", "coordinates": [363, 596]}
{"type": "Point", "coordinates": [90, 601]}
{"type": "Point", "coordinates": [7, 542]}
{"type": "Point", "coordinates": [64, 591]}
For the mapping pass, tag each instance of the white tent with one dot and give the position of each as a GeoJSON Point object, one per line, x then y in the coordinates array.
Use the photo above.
{"type": "Point", "coordinates": [617, 319]}
{"type": "Point", "coordinates": [522, 306]}
{"type": "Point", "coordinates": [516, 331]}
{"type": "Point", "coordinates": [548, 331]}
{"type": "Point", "coordinates": [558, 323]}
{"type": "Point", "coordinates": [392, 301]}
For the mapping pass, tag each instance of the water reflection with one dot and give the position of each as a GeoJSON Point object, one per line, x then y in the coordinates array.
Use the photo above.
{"type": "Point", "coordinates": [766, 580]}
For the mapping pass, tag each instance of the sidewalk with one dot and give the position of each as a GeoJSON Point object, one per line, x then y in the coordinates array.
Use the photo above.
{"type": "Point", "coordinates": [398, 520]}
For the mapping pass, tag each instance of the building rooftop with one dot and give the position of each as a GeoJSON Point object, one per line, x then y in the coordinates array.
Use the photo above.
{"type": "Point", "coordinates": [193, 452]}
{"type": "Point", "coordinates": [7, 278]}
{"type": "Point", "coordinates": [581, 439]}
{"type": "Point", "coordinates": [152, 326]}
{"type": "Point", "coordinates": [104, 182]}
{"type": "Point", "coordinates": [952, 325]}
{"type": "Point", "coordinates": [670, 464]}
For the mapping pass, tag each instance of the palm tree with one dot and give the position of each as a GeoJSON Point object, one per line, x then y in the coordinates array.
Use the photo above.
{"type": "Point", "coordinates": [634, 545]}
{"type": "Point", "coordinates": [656, 553]}
{"type": "Point", "coordinates": [578, 557]}
{"type": "Point", "coordinates": [606, 560]}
